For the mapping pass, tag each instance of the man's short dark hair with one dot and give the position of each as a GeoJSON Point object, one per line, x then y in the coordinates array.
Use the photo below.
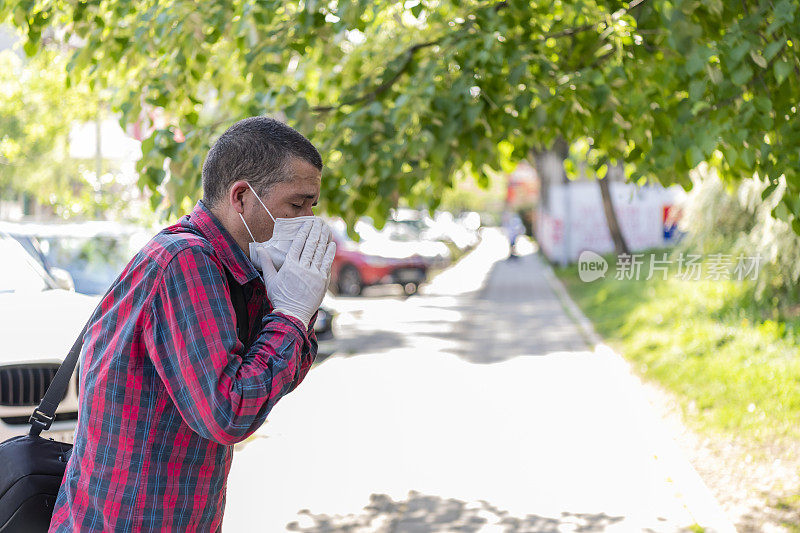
{"type": "Point", "coordinates": [258, 150]}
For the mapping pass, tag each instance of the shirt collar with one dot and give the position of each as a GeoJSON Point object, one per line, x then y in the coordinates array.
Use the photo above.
{"type": "Point", "coordinates": [231, 255]}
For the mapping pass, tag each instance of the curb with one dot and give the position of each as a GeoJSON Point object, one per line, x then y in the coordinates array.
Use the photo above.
{"type": "Point", "coordinates": [692, 491]}
{"type": "Point", "coordinates": [585, 325]}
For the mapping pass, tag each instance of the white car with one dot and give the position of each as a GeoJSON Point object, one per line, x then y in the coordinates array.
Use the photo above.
{"type": "Point", "coordinates": [38, 325]}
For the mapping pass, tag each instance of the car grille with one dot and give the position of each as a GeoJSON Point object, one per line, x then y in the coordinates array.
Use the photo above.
{"type": "Point", "coordinates": [24, 385]}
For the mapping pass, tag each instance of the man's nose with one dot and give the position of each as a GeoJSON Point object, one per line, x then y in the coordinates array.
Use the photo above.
{"type": "Point", "coordinates": [307, 212]}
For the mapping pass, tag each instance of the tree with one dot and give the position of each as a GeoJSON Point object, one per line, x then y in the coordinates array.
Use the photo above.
{"type": "Point", "coordinates": [399, 96]}
{"type": "Point", "coordinates": [36, 115]}
{"type": "Point", "coordinates": [34, 127]}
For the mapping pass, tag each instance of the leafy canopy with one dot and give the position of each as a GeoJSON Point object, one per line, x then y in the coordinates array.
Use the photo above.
{"type": "Point", "coordinates": [35, 117]}
{"type": "Point", "coordinates": [402, 97]}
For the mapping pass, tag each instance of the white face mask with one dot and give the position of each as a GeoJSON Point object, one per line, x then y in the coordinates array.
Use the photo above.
{"type": "Point", "coordinates": [283, 233]}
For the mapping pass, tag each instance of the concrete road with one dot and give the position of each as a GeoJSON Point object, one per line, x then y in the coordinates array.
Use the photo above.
{"type": "Point", "coordinates": [473, 406]}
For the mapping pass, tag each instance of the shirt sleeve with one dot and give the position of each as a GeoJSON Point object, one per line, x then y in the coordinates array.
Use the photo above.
{"type": "Point", "coordinates": [222, 393]}
{"type": "Point", "coordinates": [308, 355]}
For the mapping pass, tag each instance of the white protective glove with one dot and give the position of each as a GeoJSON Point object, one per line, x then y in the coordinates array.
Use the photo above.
{"type": "Point", "coordinates": [297, 289]}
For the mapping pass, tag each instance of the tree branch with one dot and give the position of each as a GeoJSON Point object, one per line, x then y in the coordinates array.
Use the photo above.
{"type": "Point", "coordinates": [384, 85]}
{"type": "Point", "coordinates": [411, 51]}
{"type": "Point", "coordinates": [569, 31]}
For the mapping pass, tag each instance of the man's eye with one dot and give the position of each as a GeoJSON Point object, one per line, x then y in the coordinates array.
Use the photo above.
{"type": "Point", "coordinates": [297, 206]}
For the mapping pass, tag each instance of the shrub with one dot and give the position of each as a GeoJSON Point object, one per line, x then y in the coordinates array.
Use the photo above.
{"type": "Point", "coordinates": [719, 219]}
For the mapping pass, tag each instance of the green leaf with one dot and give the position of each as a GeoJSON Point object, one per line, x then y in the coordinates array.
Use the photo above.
{"type": "Point", "coordinates": [763, 104]}
{"type": "Point", "coordinates": [416, 10]}
{"type": "Point", "coordinates": [796, 225]}
{"type": "Point", "coordinates": [731, 155]}
{"type": "Point", "coordinates": [694, 156]}
{"type": "Point", "coordinates": [758, 59]}
{"type": "Point", "coordinates": [748, 157]}
{"type": "Point", "coordinates": [707, 141]}
{"type": "Point", "coordinates": [696, 62]}
{"type": "Point", "coordinates": [742, 75]}
{"type": "Point", "coordinates": [696, 89]}
{"type": "Point", "coordinates": [737, 54]}
{"type": "Point", "coordinates": [699, 106]}
{"type": "Point", "coordinates": [772, 49]}
{"type": "Point", "coordinates": [30, 48]}
{"type": "Point", "coordinates": [155, 200]}
{"type": "Point", "coordinates": [782, 69]}
{"type": "Point", "coordinates": [769, 190]}
{"type": "Point", "coordinates": [154, 176]}
{"type": "Point", "coordinates": [20, 17]}
{"type": "Point", "coordinates": [774, 25]}
{"type": "Point", "coordinates": [781, 212]}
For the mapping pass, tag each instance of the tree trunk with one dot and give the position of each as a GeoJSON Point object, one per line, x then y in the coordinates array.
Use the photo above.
{"type": "Point", "coordinates": [549, 165]}
{"type": "Point", "coordinates": [620, 246]}
{"type": "Point", "coordinates": [550, 172]}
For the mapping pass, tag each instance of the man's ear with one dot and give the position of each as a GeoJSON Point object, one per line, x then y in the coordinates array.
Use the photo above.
{"type": "Point", "coordinates": [236, 195]}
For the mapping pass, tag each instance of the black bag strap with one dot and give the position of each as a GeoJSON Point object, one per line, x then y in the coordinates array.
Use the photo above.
{"type": "Point", "coordinates": [43, 416]}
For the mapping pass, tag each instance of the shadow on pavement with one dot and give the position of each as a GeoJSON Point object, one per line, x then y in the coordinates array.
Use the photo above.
{"type": "Point", "coordinates": [421, 513]}
{"type": "Point", "coordinates": [515, 314]}
{"type": "Point", "coordinates": [368, 342]}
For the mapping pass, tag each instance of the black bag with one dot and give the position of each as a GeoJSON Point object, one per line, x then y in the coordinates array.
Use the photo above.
{"type": "Point", "coordinates": [32, 467]}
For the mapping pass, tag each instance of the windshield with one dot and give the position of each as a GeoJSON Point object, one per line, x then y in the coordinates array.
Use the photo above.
{"type": "Point", "coordinates": [18, 271]}
{"type": "Point", "coordinates": [93, 262]}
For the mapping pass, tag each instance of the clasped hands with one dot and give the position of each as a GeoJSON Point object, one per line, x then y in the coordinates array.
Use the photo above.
{"type": "Point", "coordinates": [297, 289]}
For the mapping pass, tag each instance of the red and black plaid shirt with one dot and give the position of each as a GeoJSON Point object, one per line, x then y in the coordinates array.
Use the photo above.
{"type": "Point", "coordinates": [167, 388]}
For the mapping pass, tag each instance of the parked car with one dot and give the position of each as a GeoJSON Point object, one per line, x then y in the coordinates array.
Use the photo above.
{"type": "Point", "coordinates": [410, 224]}
{"type": "Point", "coordinates": [404, 239]}
{"type": "Point", "coordinates": [444, 227]}
{"type": "Point", "coordinates": [376, 260]}
{"type": "Point", "coordinates": [38, 324]}
{"type": "Point", "coordinates": [90, 254]}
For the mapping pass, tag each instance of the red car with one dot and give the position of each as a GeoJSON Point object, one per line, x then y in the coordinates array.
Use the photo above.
{"type": "Point", "coordinates": [386, 263]}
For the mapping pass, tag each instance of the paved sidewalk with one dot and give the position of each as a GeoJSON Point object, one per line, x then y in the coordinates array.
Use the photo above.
{"type": "Point", "coordinates": [474, 406]}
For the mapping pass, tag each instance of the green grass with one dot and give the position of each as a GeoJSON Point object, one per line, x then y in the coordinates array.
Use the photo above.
{"type": "Point", "coordinates": [733, 363]}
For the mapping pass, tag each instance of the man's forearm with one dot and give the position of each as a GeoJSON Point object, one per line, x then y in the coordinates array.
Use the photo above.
{"type": "Point", "coordinates": [308, 353]}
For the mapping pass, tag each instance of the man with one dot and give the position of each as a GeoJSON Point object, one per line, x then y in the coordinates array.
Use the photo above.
{"type": "Point", "coordinates": [512, 225]}
{"type": "Point", "coordinates": [166, 385]}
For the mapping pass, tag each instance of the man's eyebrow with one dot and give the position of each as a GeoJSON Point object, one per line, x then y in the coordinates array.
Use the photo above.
{"type": "Point", "coordinates": [305, 196]}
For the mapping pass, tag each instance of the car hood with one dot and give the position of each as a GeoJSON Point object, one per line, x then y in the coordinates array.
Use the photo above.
{"type": "Point", "coordinates": [41, 325]}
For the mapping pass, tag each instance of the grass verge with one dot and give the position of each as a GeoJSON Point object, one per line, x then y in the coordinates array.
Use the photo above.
{"type": "Point", "coordinates": [734, 363]}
